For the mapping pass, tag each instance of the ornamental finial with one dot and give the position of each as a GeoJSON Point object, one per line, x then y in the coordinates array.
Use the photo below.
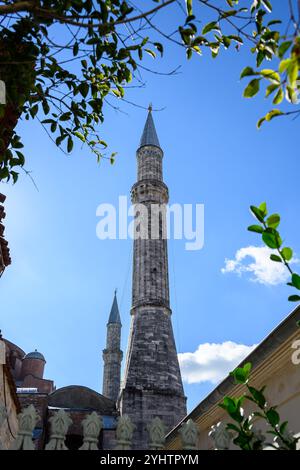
{"type": "Point", "coordinates": [150, 107]}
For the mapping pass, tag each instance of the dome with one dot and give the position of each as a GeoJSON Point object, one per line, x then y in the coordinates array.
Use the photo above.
{"type": "Point", "coordinates": [81, 398]}
{"type": "Point", "coordinates": [35, 355]}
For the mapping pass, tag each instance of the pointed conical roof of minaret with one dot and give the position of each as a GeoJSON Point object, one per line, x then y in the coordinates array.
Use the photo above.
{"type": "Point", "coordinates": [149, 136]}
{"type": "Point", "coordinates": [114, 316]}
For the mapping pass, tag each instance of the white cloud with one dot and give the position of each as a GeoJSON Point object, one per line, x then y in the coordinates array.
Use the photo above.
{"type": "Point", "coordinates": [256, 261]}
{"type": "Point", "coordinates": [212, 362]}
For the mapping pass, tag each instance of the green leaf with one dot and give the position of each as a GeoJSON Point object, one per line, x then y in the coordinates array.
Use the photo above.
{"type": "Point", "coordinates": [260, 122]}
{"type": "Point", "coordinates": [272, 22]}
{"type": "Point", "coordinates": [236, 38]}
{"type": "Point", "coordinates": [294, 298]}
{"type": "Point", "coordinates": [226, 41]}
{"type": "Point", "coordinates": [273, 417]}
{"type": "Point", "coordinates": [112, 158]}
{"type": "Point", "coordinates": [159, 47]}
{"type": "Point", "coordinates": [226, 14]}
{"type": "Point", "coordinates": [189, 7]}
{"type": "Point", "coordinates": [271, 88]}
{"type": "Point", "coordinates": [263, 208]}
{"type": "Point", "coordinates": [80, 136]}
{"type": "Point", "coordinates": [272, 238]}
{"type": "Point", "coordinates": [296, 280]}
{"type": "Point", "coordinates": [284, 64]}
{"type": "Point", "coordinates": [116, 92]}
{"type": "Point", "coordinates": [65, 116]}
{"type": "Point", "coordinates": [283, 426]}
{"type": "Point", "coordinates": [59, 139]}
{"type": "Point", "coordinates": [270, 75]}
{"type": "Point", "coordinates": [287, 253]}
{"type": "Point", "coordinates": [214, 47]}
{"type": "Point", "coordinates": [273, 221]}
{"type": "Point", "coordinates": [84, 89]}
{"type": "Point", "coordinates": [258, 396]}
{"type": "Point", "coordinates": [252, 89]}
{"type": "Point", "coordinates": [272, 114]}
{"type": "Point", "coordinates": [259, 58]}
{"type": "Point", "coordinates": [247, 368]}
{"type": "Point", "coordinates": [257, 213]}
{"type": "Point", "coordinates": [70, 144]}
{"type": "Point", "coordinates": [283, 48]}
{"type": "Point", "coordinates": [267, 5]}
{"type": "Point", "coordinates": [276, 258]}
{"type": "Point", "coordinates": [279, 97]}
{"type": "Point", "coordinates": [15, 176]}
{"type": "Point", "coordinates": [34, 110]}
{"type": "Point", "coordinates": [197, 49]}
{"type": "Point", "coordinates": [45, 106]}
{"type": "Point", "coordinates": [241, 374]}
{"type": "Point", "coordinates": [210, 26]}
{"type": "Point", "coordinates": [229, 404]}
{"type": "Point", "coordinates": [293, 72]}
{"type": "Point", "coordinates": [255, 228]}
{"type": "Point", "coordinates": [248, 71]}
{"type": "Point", "coordinates": [233, 408]}
{"type": "Point", "coordinates": [75, 48]}
{"type": "Point", "coordinates": [150, 52]}
{"type": "Point", "coordinates": [291, 95]}
{"type": "Point", "coordinates": [189, 53]}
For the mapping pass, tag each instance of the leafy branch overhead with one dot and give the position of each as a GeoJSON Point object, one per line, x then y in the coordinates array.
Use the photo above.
{"type": "Point", "coordinates": [268, 228]}
{"type": "Point", "coordinates": [64, 61]}
{"type": "Point", "coordinates": [243, 428]}
{"type": "Point", "coordinates": [283, 82]}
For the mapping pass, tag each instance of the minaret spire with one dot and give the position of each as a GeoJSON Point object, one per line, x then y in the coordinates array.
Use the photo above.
{"type": "Point", "coordinates": [149, 136]}
{"type": "Point", "coordinates": [112, 354]}
{"type": "Point", "coordinates": [152, 382]}
{"type": "Point", "coordinates": [114, 316]}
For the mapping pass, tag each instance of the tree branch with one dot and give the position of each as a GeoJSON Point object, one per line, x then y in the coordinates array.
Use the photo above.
{"type": "Point", "coordinates": [16, 7]}
{"type": "Point", "coordinates": [32, 8]}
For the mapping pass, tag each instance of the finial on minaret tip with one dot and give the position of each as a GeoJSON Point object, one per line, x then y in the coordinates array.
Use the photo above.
{"type": "Point", "coordinates": [150, 107]}
{"type": "Point", "coordinates": [114, 316]}
{"type": "Point", "coordinates": [116, 290]}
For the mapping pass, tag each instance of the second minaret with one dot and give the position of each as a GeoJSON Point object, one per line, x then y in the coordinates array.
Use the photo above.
{"type": "Point", "coordinates": [112, 354]}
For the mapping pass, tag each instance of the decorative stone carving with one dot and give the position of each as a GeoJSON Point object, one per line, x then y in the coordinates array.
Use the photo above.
{"type": "Point", "coordinates": [92, 426]}
{"type": "Point", "coordinates": [157, 432]}
{"type": "Point", "coordinates": [60, 423]}
{"type": "Point", "coordinates": [27, 421]}
{"type": "Point", "coordinates": [221, 436]}
{"type": "Point", "coordinates": [124, 433]}
{"type": "Point", "coordinates": [189, 435]}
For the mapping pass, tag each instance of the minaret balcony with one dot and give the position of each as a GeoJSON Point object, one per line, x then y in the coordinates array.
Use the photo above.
{"type": "Point", "coordinates": [149, 191]}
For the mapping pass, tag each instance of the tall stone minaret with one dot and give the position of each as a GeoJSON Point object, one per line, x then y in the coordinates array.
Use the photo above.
{"type": "Point", "coordinates": [152, 384]}
{"type": "Point", "coordinates": [112, 354]}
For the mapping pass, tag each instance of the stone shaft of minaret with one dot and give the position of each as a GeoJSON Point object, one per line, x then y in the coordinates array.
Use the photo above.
{"type": "Point", "coordinates": [112, 354]}
{"type": "Point", "coordinates": [152, 383]}
{"type": "Point", "coordinates": [150, 260]}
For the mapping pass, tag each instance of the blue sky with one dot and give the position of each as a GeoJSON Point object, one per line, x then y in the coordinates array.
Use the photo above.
{"type": "Point", "coordinates": [56, 295]}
